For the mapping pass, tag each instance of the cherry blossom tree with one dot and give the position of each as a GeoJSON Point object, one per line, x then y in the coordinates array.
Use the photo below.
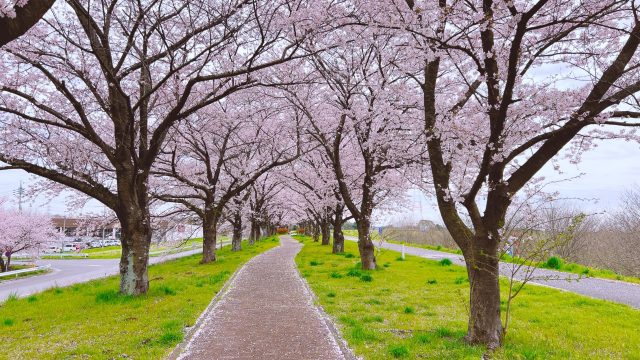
{"type": "Point", "coordinates": [312, 188]}
{"type": "Point", "coordinates": [26, 232]}
{"type": "Point", "coordinates": [18, 16]}
{"type": "Point", "coordinates": [507, 86]}
{"type": "Point", "coordinates": [89, 95]}
{"type": "Point", "coordinates": [365, 128]}
{"type": "Point", "coordinates": [217, 155]}
{"type": "Point", "coordinates": [265, 192]}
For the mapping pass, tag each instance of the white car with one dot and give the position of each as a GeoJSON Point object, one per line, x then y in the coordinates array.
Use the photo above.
{"type": "Point", "coordinates": [112, 243]}
{"type": "Point", "coordinates": [53, 249]}
{"type": "Point", "coordinates": [69, 247]}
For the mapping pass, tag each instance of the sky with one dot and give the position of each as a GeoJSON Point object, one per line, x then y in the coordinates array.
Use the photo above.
{"type": "Point", "coordinates": [609, 170]}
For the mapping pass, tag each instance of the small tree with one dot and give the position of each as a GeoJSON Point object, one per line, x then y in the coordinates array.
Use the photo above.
{"type": "Point", "coordinates": [24, 232]}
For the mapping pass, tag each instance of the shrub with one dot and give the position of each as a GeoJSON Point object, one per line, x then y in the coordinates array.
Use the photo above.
{"type": "Point", "coordinates": [409, 310]}
{"type": "Point", "coordinates": [554, 262]}
{"type": "Point", "coordinates": [331, 294]}
{"type": "Point", "coordinates": [335, 275]}
{"type": "Point", "coordinates": [399, 258]}
{"type": "Point", "coordinates": [366, 278]}
{"type": "Point", "coordinates": [8, 322]}
{"type": "Point", "coordinates": [460, 280]}
{"type": "Point", "coordinates": [349, 255]}
{"type": "Point", "coordinates": [422, 338]}
{"type": "Point", "coordinates": [315, 263]}
{"type": "Point", "coordinates": [445, 262]}
{"type": "Point", "coordinates": [398, 351]}
{"type": "Point", "coordinates": [354, 273]}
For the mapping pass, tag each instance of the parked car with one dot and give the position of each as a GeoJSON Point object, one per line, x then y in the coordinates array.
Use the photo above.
{"type": "Point", "coordinates": [53, 249]}
{"type": "Point", "coordinates": [96, 243]}
{"type": "Point", "coordinates": [69, 247]}
{"type": "Point", "coordinates": [112, 243]}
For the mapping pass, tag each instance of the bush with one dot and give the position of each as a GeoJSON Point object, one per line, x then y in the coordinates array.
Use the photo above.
{"type": "Point", "coordinates": [315, 263]}
{"type": "Point", "coordinates": [445, 262]}
{"type": "Point", "coordinates": [335, 275]}
{"type": "Point", "coordinates": [349, 255]}
{"type": "Point", "coordinates": [398, 351]}
{"type": "Point", "coordinates": [460, 280]}
{"type": "Point", "coordinates": [354, 273]}
{"type": "Point", "coordinates": [409, 310]}
{"type": "Point", "coordinates": [554, 262]}
{"type": "Point", "coordinates": [366, 278]}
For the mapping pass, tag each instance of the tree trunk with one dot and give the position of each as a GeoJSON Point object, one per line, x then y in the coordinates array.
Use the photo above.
{"type": "Point", "coordinates": [326, 232]}
{"type": "Point", "coordinates": [236, 241]}
{"type": "Point", "coordinates": [338, 236]}
{"type": "Point", "coordinates": [136, 240]}
{"type": "Point", "coordinates": [365, 245]}
{"type": "Point", "coordinates": [209, 239]}
{"type": "Point", "coordinates": [316, 233]}
{"type": "Point", "coordinates": [3, 267]}
{"type": "Point", "coordinates": [254, 234]}
{"type": "Point", "coordinates": [485, 325]}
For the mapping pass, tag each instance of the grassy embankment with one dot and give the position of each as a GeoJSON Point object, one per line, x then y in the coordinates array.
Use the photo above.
{"type": "Point", "coordinates": [114, 252]}
{"type": "Point", "coordinates": [417, 308]}
{"type": "Point", "coordinates": [554, 263]}
{"type": "Point", "coordinates": [92, 321]}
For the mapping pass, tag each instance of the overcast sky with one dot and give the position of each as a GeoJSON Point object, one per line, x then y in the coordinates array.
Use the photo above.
{"type": "Point", "coordinates": [609, 169]}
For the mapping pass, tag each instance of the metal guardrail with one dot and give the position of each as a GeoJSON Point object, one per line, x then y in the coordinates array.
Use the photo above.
{"type": "Point", "coordinates": [22, 271]}
{"type": "Point", "coordinates": [63, 255]}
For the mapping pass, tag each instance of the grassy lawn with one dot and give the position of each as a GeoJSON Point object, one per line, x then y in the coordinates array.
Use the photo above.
{"type": "Point", "coordinates": [561, 266]}
{"type": "Point", "coordinates": [416, 309]}
{"type": "Point", "coordinates": [92, 321]}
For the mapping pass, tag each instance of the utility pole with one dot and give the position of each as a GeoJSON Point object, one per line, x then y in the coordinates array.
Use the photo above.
{"type": "Point", "coordinates": [20, 193]}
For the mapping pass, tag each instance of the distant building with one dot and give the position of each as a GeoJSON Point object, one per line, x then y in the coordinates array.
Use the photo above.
{"type": "Point", "coordinates": [77, 227]}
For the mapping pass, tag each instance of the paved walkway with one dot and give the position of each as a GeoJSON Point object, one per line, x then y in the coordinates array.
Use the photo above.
{"type": "Point", "coordinates": [267, 312]}
{"type": "Point", "coordinates": [612, 290]}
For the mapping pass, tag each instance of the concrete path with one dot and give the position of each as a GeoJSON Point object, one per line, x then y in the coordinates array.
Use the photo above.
{"type": "Point", "coordinates": [267, 312]}
{"type": "Point", "coordinates": [69, 272]}
{"type": "Point", "coordinates": [612, 290]}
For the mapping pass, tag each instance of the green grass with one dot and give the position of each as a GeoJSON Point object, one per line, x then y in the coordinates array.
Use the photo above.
{"type": "Point", "coordinates": [114, 252]}
{"type": "Point", "coordinates": [556, 262]}
{"type": "Point", "coordinates": [416, 309]}
{"type": "Point", "coordinates": [93, 321]}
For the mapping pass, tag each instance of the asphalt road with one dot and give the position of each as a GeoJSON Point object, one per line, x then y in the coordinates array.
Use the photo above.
{"type": "Point", "coordinates": [612, 290]}
{"type": "Point", "coordinates": [69, 272]}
